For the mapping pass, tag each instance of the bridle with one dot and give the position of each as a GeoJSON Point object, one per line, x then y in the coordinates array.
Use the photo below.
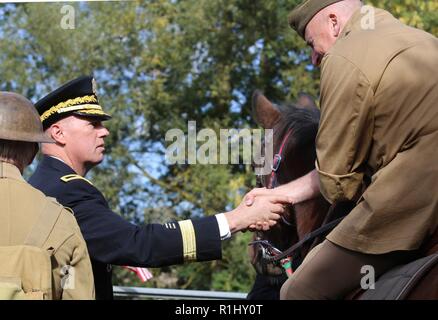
{"type": "Point", "coordinates": [267, 249]}
{"type": "Point", "coordinates": [270, 253]}
{"type": "Point", "coordinates": [277, 161]}
{"type": "Point", "coordinates": [273, 181]}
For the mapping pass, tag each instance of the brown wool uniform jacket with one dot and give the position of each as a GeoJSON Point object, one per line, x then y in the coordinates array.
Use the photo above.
{"type": "Point", "coordinates": [20, 208]}
{"type": "Point", "coordinates": [378, 138]}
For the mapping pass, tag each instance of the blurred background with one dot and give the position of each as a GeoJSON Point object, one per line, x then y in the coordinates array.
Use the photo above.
{"type": "Point", "coordinates": [159, 64]}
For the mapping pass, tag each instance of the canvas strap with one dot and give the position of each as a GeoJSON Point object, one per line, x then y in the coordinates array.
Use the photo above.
{"type": "Point", "coordinates": [44, 225]}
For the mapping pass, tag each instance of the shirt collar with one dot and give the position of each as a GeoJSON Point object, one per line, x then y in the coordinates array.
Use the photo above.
{"type": "Point", "coordinates": [352, 24]}
{"type": "Point", "coordinates": [8, 170]}
{"type": "Point", "coordinates": [56, 163]}
{"type": "Point", "coordinates": [59, 159]}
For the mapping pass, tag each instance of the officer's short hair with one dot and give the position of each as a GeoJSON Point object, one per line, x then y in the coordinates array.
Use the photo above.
{"type": "Point", "coordinates": [18, 152]}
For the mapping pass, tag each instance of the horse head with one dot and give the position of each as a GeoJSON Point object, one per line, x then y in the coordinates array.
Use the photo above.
{"type": "Point", "coordinates": [294, 133]}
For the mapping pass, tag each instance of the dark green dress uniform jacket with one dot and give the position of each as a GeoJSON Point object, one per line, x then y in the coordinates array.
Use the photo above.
{"type": "Point", "coordinates": [112, 240]}
{"type": "Point", "coordinates": [377, 142]}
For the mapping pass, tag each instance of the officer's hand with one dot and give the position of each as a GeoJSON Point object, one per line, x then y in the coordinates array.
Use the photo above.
{"type": "Point", "coordinates": [262, 215]}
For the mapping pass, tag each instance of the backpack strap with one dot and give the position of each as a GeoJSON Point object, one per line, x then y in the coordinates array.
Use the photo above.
{"type": "Point", "coordinates": [45, 223]}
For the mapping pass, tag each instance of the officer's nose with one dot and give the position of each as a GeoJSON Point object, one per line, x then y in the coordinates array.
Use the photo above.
{"type": "Point", "coordinates": [106, 132]}
{"type": "Point", "coordinates": [103, 132]}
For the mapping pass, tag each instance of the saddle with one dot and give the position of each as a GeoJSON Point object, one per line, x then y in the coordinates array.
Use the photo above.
{"type": "Point", "coordinates": [415, 280]}
{"type": "Point", "coordinates": [405, 282]}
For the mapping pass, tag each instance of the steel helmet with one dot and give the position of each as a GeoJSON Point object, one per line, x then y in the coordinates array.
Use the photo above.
{"type": "Point", "coordinates": [19, 120]}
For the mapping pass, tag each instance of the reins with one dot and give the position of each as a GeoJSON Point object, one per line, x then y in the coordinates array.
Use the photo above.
{"type": "Point", "coordinates": [310, 236]}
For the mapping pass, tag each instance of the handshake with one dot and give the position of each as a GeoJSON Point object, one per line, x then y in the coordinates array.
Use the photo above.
{"type": "Point", "coordinates": [259, 210]}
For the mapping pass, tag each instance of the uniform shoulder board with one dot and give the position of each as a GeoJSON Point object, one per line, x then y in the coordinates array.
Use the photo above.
{"type": "Point", "coordinates": [71, 177]}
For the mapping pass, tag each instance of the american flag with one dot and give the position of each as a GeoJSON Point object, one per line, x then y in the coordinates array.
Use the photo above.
{"type": "Point", "coordinates": [143, 273]}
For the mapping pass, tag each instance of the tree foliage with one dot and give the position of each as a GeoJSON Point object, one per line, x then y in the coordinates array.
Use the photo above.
{"type": "Point", "coordinates": [160, 64]}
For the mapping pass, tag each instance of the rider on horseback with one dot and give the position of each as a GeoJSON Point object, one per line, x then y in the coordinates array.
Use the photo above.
{"type": "Point", "coordinates": [376, 143]}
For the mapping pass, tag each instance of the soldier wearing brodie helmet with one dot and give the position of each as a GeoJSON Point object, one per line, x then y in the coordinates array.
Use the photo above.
{"type": "Point", "coordinates": [38, 237]}
{"type": "Point", "coordinates": [72, 116]}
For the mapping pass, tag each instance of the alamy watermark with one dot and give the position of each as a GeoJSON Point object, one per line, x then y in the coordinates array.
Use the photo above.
{"type": "Point", "coordinates": [368, 281]}
{"type": "Point", "coordinates": [68, 277]}
{"type": "Point", "coordinates": [68, 17]}
{"type": "Point", "coordinates": [368, 21]}
{"type": "Point", "coordinates": [205, 147]}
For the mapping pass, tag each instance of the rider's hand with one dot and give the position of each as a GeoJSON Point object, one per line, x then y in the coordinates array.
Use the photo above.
{"type": "Point", "coordinates": [263, 214]}
{"type": "Point", "coordinates": [262, 226]}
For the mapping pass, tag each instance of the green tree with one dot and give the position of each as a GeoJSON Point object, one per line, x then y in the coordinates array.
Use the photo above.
{"type": "Point", "coordinates": [160, 64]}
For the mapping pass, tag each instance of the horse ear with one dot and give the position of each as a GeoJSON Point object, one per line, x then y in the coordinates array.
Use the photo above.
{"type": "Point", "coordinates": [263, 111]}
{"type": "Point", "coordinates": [305, 101]}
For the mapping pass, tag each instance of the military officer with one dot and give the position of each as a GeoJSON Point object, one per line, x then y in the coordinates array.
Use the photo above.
{"type": "Point", "coordinates": [30, 221]}
{"type": "Point", "coordinates": [376, 143]}
{"type": "Point", "coordinates": [72, 116]}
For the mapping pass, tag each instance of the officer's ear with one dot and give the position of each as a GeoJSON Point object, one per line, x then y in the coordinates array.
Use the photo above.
{"type": "Point", "coordinates": [56, 132]}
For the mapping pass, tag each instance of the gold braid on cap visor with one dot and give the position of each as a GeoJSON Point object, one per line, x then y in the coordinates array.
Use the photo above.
{"type": "Point", "coordinates": [73, 104]}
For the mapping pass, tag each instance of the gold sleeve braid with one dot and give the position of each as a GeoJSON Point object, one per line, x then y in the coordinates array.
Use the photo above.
{"type": "Point", "coordinates": [189, 240]}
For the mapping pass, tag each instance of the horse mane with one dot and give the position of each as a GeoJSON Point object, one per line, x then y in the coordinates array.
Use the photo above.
{"type": "Point", "coordinates": [303, 122]}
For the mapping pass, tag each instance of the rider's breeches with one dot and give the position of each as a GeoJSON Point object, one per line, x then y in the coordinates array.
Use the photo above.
{"type": "Point", "coordinates": [332, 272]}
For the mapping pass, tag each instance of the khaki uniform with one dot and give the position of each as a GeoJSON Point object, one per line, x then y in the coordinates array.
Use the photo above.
{"type": "Point", "coordinates": [379, 133]}
{"type": "Point", "coordinates": [20, 208]}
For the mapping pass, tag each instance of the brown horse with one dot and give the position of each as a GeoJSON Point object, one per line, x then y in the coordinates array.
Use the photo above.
{"type": "Point", "coordinates": [294, 133]}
